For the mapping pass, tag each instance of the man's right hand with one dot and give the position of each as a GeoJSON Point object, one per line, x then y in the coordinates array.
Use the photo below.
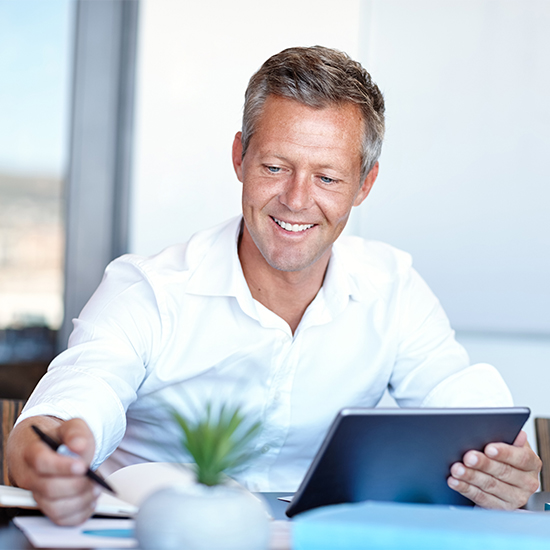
{"type": "Point", "coordinates": [57, 482]}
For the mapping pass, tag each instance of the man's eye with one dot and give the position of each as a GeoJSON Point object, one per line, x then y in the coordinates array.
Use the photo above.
{"type": "Point", "coordinates": [324, 179]}
{"type": "Point", "coordinates": [273, 169]}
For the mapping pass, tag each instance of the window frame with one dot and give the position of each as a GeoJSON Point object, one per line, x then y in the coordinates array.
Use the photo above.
{"type": "Point", "coordinates": [100, 147]}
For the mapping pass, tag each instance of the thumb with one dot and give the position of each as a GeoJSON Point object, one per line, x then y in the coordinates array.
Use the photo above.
{"type": "Point", "coordinates": [78, 437]}
{"type": "Point", "coordinates": [521, 439]}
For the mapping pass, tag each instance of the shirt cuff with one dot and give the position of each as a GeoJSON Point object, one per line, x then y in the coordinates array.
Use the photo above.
{"type": "Point", "coordinates": [80, 395]}
{"type": "Point", "coordinates": [479, 385]}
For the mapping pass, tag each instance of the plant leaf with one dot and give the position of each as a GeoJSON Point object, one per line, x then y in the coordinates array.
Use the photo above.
{"type": "Point", "coordinates": [217, 441]}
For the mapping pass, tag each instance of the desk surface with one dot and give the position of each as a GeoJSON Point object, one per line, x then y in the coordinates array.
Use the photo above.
{"type": "Point", "coordinates": [13, 539]}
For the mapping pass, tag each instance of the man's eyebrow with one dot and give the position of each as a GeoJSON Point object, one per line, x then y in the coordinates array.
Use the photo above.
{"type": "Point", "coordinates": [267, 154]}
{"type": "Point", "coordinates": [274, 155]}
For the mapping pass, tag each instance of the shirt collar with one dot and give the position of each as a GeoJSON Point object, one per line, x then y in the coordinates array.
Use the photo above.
{"type": "Point", "coordinates": [210, 278]}
{"type": "Point", "coordinates": [219, 248]}
{"type": "Point", "coordinates": [333, 297]}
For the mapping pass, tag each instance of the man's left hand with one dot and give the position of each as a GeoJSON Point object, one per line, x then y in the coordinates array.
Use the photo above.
{"type": "Point", "coordinates": [502, 477]}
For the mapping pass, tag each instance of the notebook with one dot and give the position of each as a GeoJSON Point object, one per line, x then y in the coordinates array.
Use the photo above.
{"type": "Point", "coordinates": [133, 484]}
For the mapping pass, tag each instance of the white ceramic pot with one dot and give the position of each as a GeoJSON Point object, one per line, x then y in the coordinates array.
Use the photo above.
{"type": "Point", "coordinates": [198, 517]}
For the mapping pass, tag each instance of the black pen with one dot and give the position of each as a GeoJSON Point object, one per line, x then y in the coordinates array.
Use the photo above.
{"type": "Point", "coordinates": [62, 449]}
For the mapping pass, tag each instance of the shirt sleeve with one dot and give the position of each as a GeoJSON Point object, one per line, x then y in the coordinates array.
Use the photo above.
{"type": "Point", "coordinates": [98, 376]}
{"type": "Point", "coordinates": [432, 369]}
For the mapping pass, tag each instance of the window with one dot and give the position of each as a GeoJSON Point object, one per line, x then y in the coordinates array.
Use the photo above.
{"type": "Point", "coordinates": [66, 96]}
{"type": "Point", "coordinates": [35, 55]}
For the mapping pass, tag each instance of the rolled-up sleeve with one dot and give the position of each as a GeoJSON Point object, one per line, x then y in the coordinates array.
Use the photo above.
{"type": "Point", "coordinates": [98, 376]}
{"type": "Point", "coordinates": [479, 385]}
{"type": "Point", "coordinates": [432, 369]}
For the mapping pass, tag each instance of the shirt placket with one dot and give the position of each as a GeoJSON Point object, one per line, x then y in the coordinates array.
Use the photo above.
{"type": "Point", "coordinates": [277, 410]}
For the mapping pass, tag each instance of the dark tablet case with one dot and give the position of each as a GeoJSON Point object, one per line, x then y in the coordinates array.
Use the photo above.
{"type": "Point", "coordinates": [400, 455]}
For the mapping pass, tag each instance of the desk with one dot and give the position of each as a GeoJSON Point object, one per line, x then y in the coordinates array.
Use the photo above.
{"type": "Point", "coordinates": [13, 539]}
{"type": "Point", "coordinates": [10, 537]}
{"type": "Point", "coordinates": [277, 507]}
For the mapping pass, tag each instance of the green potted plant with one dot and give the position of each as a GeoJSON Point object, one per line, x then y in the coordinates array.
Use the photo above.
{"type": "Point", "coordinates": [216, 512]}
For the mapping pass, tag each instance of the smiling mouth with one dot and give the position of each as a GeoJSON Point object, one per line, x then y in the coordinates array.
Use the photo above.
{"type": "Point", "coordinates": [293, 228]}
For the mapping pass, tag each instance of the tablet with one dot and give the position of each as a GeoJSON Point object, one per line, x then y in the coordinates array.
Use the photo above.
{"type": "Point", "coordinates": [400, 455]}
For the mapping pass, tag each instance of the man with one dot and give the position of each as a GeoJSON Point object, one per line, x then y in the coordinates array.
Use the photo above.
{"type": "Point", "coordinates": [269, 306]}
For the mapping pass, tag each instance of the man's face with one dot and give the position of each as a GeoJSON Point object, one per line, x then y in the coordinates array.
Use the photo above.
{"type": "Point", "coordinates": [301, 177]}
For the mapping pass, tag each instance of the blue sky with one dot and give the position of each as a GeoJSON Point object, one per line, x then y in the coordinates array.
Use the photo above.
{"type": "Point", "coordinates": [35, 62]}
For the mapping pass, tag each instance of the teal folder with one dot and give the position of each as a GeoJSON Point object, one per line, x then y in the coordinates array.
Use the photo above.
{"type": "Point", "coordinates": [393, 526]}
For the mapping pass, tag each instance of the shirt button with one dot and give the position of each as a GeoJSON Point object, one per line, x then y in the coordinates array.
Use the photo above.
{"type": "Point", "coordinates": [265, 449]}
{"type": "Point", "coordinates": [277, 396]}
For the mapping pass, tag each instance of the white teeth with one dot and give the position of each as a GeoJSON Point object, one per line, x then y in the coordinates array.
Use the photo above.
{"type": "Point", "coordinates": [293, 227]}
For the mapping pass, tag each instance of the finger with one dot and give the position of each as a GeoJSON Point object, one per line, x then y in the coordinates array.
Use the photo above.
{"type": "Point", "coordinates": [494, 477]}
{"type": "Point", "coordinates": [54, 488]}
{"type": "Point", "coordinates": [44, 461]}
{"type": "Point", "coordinates": [507, 484]}
{"type": "Point", "coordinates": [69, 511]}
{"type": "Point", "coordinates": [520, 457]}
{"type": "Point", "coordinates": [478, 496]}
{"type": "Point", "coordinates": [479, 466]}
{"type": "Point", "coordinates": [521, 439]}
{"type": "Point", "coordinates": [76, 435]}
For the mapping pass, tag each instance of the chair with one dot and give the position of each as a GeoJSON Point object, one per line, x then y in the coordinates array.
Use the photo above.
{"type": "Point", "coordinates": [542, 430]}
{"type": "Point", "coordinates": [10, 409]}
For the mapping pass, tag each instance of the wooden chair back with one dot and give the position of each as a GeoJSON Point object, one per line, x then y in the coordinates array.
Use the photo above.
{"type": "Point", "coordinates": [542, 430]}
{"type": "Point", "coordinates": [10, 409]}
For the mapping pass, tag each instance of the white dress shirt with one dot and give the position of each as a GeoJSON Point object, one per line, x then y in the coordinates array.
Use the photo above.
{"type": "Point", "coordinates": [181, 328]}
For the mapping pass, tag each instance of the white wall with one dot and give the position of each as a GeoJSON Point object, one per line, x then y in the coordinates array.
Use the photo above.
{"type": "Point", "coordinates": [195, 59]}
{"type": "Point", "coordinates": [465, 179]}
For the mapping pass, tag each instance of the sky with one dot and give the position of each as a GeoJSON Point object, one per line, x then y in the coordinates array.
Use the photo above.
{"type": "Point", "coordinates": [35, 62]}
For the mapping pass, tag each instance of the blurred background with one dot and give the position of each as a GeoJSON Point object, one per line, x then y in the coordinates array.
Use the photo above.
{"type": "Point", "coordinates": [117, 119]}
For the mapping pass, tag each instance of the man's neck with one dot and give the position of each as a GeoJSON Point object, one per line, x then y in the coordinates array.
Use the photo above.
{"type": "Point", "coordinates": [286, 293]}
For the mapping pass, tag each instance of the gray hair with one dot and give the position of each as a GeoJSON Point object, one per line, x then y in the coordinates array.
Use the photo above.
{"type": "Point", "coordinates": [318, 77]}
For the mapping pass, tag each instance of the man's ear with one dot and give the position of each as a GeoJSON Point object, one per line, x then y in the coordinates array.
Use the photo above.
{"type": "Point", "coordinates": [238, 155]}
{"type": "Point", "coordinates": [367, 185]}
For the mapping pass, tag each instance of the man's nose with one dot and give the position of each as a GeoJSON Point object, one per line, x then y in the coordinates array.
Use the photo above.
{"type": "Point", "coordinates": [296, 195]}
